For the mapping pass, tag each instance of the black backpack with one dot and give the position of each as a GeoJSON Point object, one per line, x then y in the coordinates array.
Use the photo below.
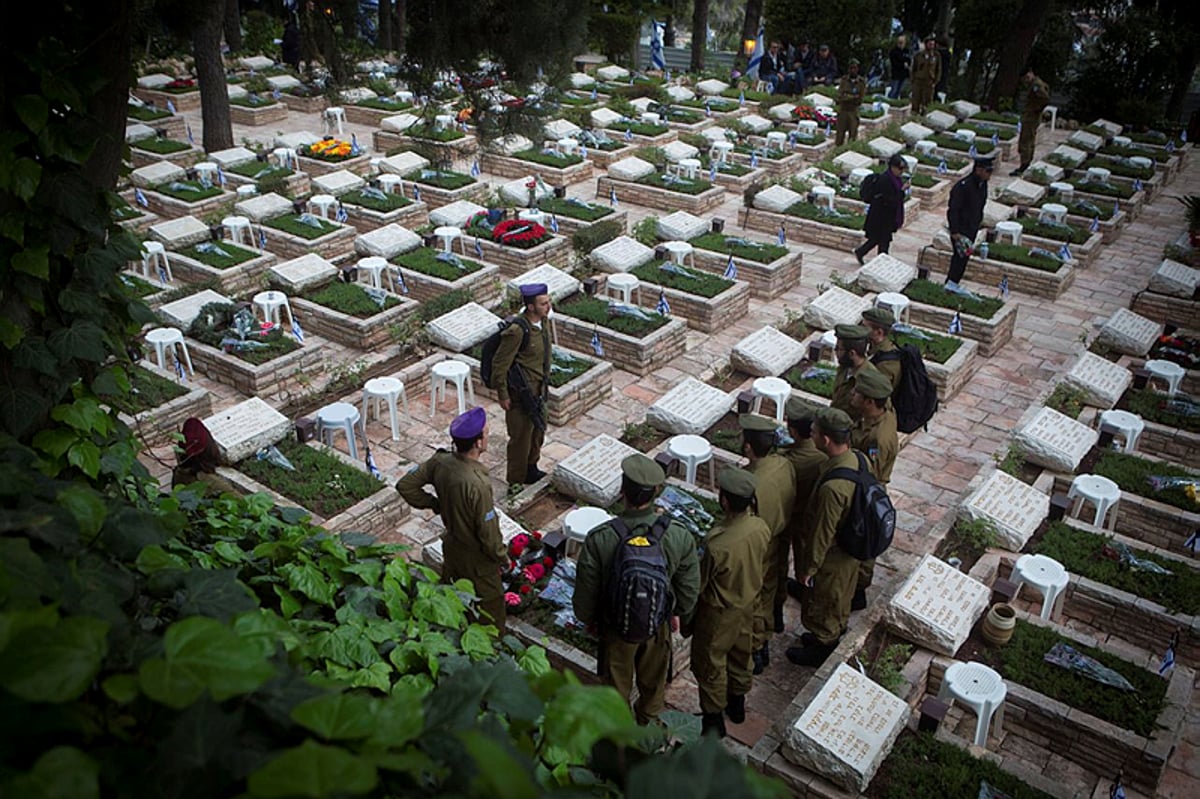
{"type": "Point", "coordinates": [868, 188]}
{"type": "Point", "coordinates": [487, 357]}
{"type": "Point", "coordinates": [915, 399]}
{"type": "Point", "coordinates": [639, 587]}
{"type": "Point", "coordinates": [870, 522]}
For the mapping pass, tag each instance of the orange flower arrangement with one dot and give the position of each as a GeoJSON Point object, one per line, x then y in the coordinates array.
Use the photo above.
{"type": "Point", "coordinates": [330, 149]}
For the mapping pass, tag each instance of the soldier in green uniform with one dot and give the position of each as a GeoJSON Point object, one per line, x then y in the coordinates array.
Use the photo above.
{"type": "Point", "coordinates": [884, 354]}
{"type": "Point", "coordinates": [852, 89]}
{"type": "Point", "coordinates": [875, 436]}
{"type": "Point", "coordinates": [523, 394]}
{"type": "Point", "coordinates": [472, 545]}
{"type": "Point", "coordinates": [730, 575]}
{"type": "Point", "coordinates": [619, 662]}
{"type": "Point", "coordinates": [776, 495]}
{"type": "Point", "coordinates": [926, 72]}
{"type": "Point", "coordinates": [806, 462]}
{"type": "Point", "coordinates": [851, 352]}
{"type": "Point", "coordinates": [827, 571]}
{"type": "Point", "coordinates": [1037, 97]}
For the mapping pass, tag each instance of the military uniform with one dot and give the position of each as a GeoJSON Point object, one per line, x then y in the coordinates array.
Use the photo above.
{"type": "Point", "coordinates": [852, 90]}
{"type": "Point", "coordinates": [843, 384]}
{"type": "Point", "coordinates": [833, 571]}
{"type": "Point", "coordinates": [877, 438]}
{"type": "Point", "coordinates": [524, 437]}
{"type": "Point", "coordinates": [1036, 100]}
{"type": "Point", "coordinates": [776, 496]}
{"type": "Point", "coordinates": [926, 72]}
{"type": "Point", "coordinates": [806, 462]}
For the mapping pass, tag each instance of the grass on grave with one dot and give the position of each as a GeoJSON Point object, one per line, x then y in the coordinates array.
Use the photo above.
{"type": "Point", "coordinates": [161, 145]}
{"type": "Point", "coordinates": [930, 293]}
{"type": "Point", "coordinates": [139, 286]}
{"type": "Point", "coordinates": [1003, 117]}
{"type": "Point", "coordinates": [149, 390]}
{"type": "Point", "coordinates": [758, 252]}
{"type": "Point", "coordinates": [443, 304]}
{"type": "Point", "coordinates": [1088, 208]}
{"type": "Point", "coordinates": [257, 170]}
{"type": "Point", "coordinates": [1067, 400]}
{"type": "Point", "coordinates": [350, 299]}
{"type": "Point", "coordinates": [1047, 230]}
{"type": "Point", "coordinates": [595, 311]}
{"type": "Point", "coordinates": [921, 765]}
{"type": "Point", "coordinates": [750, 96]}
{"type": "Point", "coordinates": [770, 154]}
{"type": "Point", "coordinates": [820, 382]}
{"type": "Point", "coordinates": [291, 224]}
{"type": "Point", "coordinates": [123, 210]}
{"type": "Point", "coordinates": [1117, 167]}
{"type": "Point", "coordinates": [950, 143]}
{"type": "Point", "coordinates": [277, 344]}
{"type": "Point", "coordinates": [586, 212]}
{"type": "Point", "coordinates": [1121, 151]}
{"type": "Point", "coordinates": [145, 113]}
{"type": "Point", "coordinates": [638, 128]}
{"type": "Point", "coordinates": [390, 202]}
{"type": "Point", "coordinates": [986, 131]}
{"type": "Point", "coordinates": [442, 179]}
{"type": "Point", "coordinates": [968, 540]}
{"type": "Point", "coordinates": [424, 260]}
{"type": "Point", "coordinates": [718, 105]}
{"type": "Point", "coordinates": [564, 367]}
{"type": "Point", "coordinates": [1118, 190]}
{"type": "Point", "coordinates": [953, 162]}
{"type": "Point", "coordinates": [1083, 553]}
{"type": "Point", "coordinates": [422, 131]}
{"type": "Point", "coordinates": [701, 284]}
{"type": "Point", "coordinates": [1003, 251]}
{"type": "Point", "coordinates": [253, 101]}
{"type": "Point", "coordinates": [934, 346]}
{"type": "Point", "coordinates": [189, 191]}
{"type": "Point", "coordinates": [322, 483]}
{"type": "Point", "coordinates": [1133, 474]}
{"type": "Point", "coordinates": [676, 184]}
{"type": "Point", "coordinates": [820, 213]}
{"type": "Point", "coordinates": [1022, 661]}
{"type": "Point", "coordinates": [1153, 406]}
{"type": "Point", "coordinates": [234, 255]}
{"type": "Point", "coordinates": [556, 161]}
{"type": "Point", "coordinates": [384, 104]}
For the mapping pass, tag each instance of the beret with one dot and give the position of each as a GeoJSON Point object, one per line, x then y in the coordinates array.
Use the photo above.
{"type": "Point", "coordinates": [196, 437]}
{"type": "Point", "coordinates": [850, 332]}
{"type": "Point", "coordinates": [833, 420]}
{"type": "Point", "coordinates": [799, 410]}
{"type": "Point", "coordinates": [738, 482]}
{"type": "Point", "coordinates": [530, 290]}
{"type": "Point", "coordinates": [873, 383]}
{"type": "Point", "coordinates": [642, 470]}
{"type": "Point", "coordinates": [752, 421]}
{"type": "Point", "coordinates": [470, 424]}
{"type": "Point", "coordinates": [879, 316]}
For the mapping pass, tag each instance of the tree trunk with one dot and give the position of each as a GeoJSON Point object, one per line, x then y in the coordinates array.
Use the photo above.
{"type": "Point", "coordinates": [233, 25]}
{"type": "Point", "coordinates": [109, 54]}
{"type": "Point", "coordinates": [669, 31]}
{"type": "Point", "coordinates": [210, 72]}
{"type": "Point", "coordinates": [385, 26]}
{"type": "Point", "coordinates": [399, 23]}
{"type": "Point", "coordinates": [699, 33]}
{"type": "Point", "coordinates": [1016, 51]}
{"type": "Point", "coordinates": [750, 26]}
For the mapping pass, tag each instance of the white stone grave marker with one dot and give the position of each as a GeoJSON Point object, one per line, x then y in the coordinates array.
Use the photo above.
{"type": "Point", "coordinates": [303, 273]}
{"type": "Point", "coordinates": [681, 226]}
{"type": "Point", "coordinates": [885, 147]}
{"type": "Point", "coordinates": [387, 241]}
{"type": "Point", "coordinates": [1015, 508]}
{"type": "Point", "coordinates": [403, 163]}
{"type": "Point", "coordinates": [940, 120]}
{"type": "Point", "coordinates": [776, 199]}
{"type": "Point", "coordinates": [245, 428]}
{"type": "Point", "coordinates": [1070, 154]}
{"type": "Point", "coordinates": [1086, 141]}
{"type": "Point", "coordinates": [182, 312]}
{"type": "Point", "coordinates": [849, 161]}
{"type": "Point", "coordinates": [463, 327]}
{"type": "Point", "coordinates": [691, 407]}
{"type": "Point", "coordinates": [835, 307]}
{"type": "Point", "coordinates": [937, 606]}
{"type": "Point", "coordinates": [965, 109]}
{"type": "Point", "coordinates": [1130, 333]}
{"type": "Point", "coordinates": [1175, 279]}
{"type": "Point", "coordinates": [621, 254]}
{"type": "Point", "coordinates": [175, 234]}
{"type": "Point", "coordinates": [559, 284]}
{"type": "Point", "coordinates": [234, 156]}
{"type": "Point", "coordinates": [1102, 381]}
{"type": "Point", "coordinates": [1022, 192]}
{"type": "Point", "coordinates": [592, 473]}
{"type": "Point", "coordinates": [156, 174]}
{"type": "Point", "coordinates": [766, 353]}
{"type": "Point", "coordinates": [915, 132]}
{"type": "Point", "coordinates": [456, 214]}
{"type": "Point", "coordinates": [264, 206]}
{"type": "Point", "coordinates": [337, 183]}
{"type": "Point", "coordinates": [886, 273]}
{"type": "Point", "coordinates": [1056, 441]}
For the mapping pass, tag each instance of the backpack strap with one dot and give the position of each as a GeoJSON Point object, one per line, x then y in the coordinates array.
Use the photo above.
{"type": "Point", "coordinates": [523, 323]}
{"type": "Point", "coordinates": [886, 355]}
{"type": "Point", "coordinates": [656, 530]}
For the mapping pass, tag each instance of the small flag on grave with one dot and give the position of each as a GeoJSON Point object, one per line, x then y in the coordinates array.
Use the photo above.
{"type": "Point", "coordinates": [162, 275]}
{"type": "Point", "coordinates": [416, 194]}
{"type": "Point", "coordinates": [995, 139]}
{"type": "Point", "coordinates": [354, 148]}
{"type": "Point", "coordinates": [612, 197]}
{"type": "Point", "coordinates": [583, 152]}
{"type": "Point", "coordinates": [973, 152]}
{"type": "Point", "coordinates": [1004, 287]}
{"type": "Point", "coordinates": [179, 370]}
{"type": "Point", "coordinates": [628, 134]}
{"type": "Point", "coordinates": [754, 160]}
{"type": "Point", "coordinates": [663, 307]}
{"type": "Point", "coordinates": [1168, 661]}
{"type": "Point", "coordinates": [1193, 541]}
{"type": "Point", "coordinates": [553, 223]}
{"type": "Point", "coordinates": [276, 94]}
{"type": "Point", "coordinates": [341, 215]}
{"type": "Point", "coordinates": [730, 269]}
{"type": "Point", "coordinates": [475, 171]}
{"type": "Point", "coordinates": [170, 107]}
{"type": "Point", "coordinates": [262, 238]}
{"type": "Point", "coordinates": [782, 235]}
{"type": "Point", "coordinates": [1064, 252]}
{"type": "Point", "coordinates": [188, 129]}
{"type": "Point", "coordinates": [1095, 224]}
{"type": "Point", "coordinates": [296, 331]}
{"type": "Point", "coordinates": [955, 324]}
{"type": "Point", "coordinates": [403, 285]}
{"type": "Point", "coordinates": [478, 248]}
{"type": "Point", "coordinates": [741, 98]}
{"type": "Point", "coordinates": [220, 176]}
{"type": "Point", "coordinates": [1138, 185]}
{"type": "Point", "coordinates": [942, 167]}
{"type": "Point", "coordinates": [139, 197]}
{"type": "Point", "coordinates": [597, 347]}
{"type": "Point", "coordinates": [371, 467]}
{"type": "Point", "coordinates": [712, 173]}
{"type": "Point", "coordinates": [593, 94]}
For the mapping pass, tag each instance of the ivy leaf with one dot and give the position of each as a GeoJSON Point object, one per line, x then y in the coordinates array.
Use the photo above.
{"type": "Point", "coordinates": [12, 227]}
{"type": "Point", "coordinates": [267, 629]}
{"type": "Point", "coordinates": [33, 111]}
{"type": "Point", "coordinates": [83, 340]}
{"type": "Point", "coordinates": [54, 664]}
{"type": "Point", "coordinates": [34, 355]}
{"type": "Point", "coordinates": [308, 580]}
{"type": "Point", "coordinates": [533, 661]}
{"type": "Point", "coordinates": [368, 571]}
{"type": "Point", "coordinates": [154, 559]}
{"type": "Point", "coordinates": [579, 715]}
{"type": "Point", "coordinates": [477, 643]}
{"type": "Point", "coordinates": [111, 382]}
{"type": "Point", "coordinates": [121, 688]}
{"type": "Point", "coordinates": [500, 774]}
{"type": "Point", "coordinates": [26, 177]}
{"type": "Point", "coordinates": [33, 261]}
{"type": "Point", "coordinates": [20, 408]}
{"type": "Point", "coordinates": [377, 676]}
{"type": "Point", "coordinates": [456, 701]}
{"type": "Point", "coordinates": [337, 717]}
{"type": "Point", "coordinates": [86, 506]}
{"type": "Point", "coordinates": [229, 552]}
{"type": "Point", "coordinates": [293, 515]}
{"type": "Point", "coordinates": [203, 653]}
{"type": "Point", "coordinates": [55, 441]}
{"type": "Point", "coordinates": [62, 773]}
{"type": "Point", "coordinates": [14, 622]}
{"type": "Point", "coordinates": [28, 579]}
{"type": "Point", "coordinates": [217, 593]}
{"type": "Point", "coordinates": [399, 719]}
{"type": "Point", "coordinates": [313, 770]}
{"type": "Point", "coordinates": [10, 334]}
{"type": "Point", "coordinates": [288, 605]}
{"type": "Point", "coordinates": [85, 456]}
{"type": "Point", "coordinates": [702, 771]}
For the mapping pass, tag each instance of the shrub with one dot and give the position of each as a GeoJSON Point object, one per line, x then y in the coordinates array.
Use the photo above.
{"type": "Point", "coordinates": [595, 311]}
{"type": "Point", "coordinates": [1067, 400]}
{"type": "Point", "coordinates": [930, 293]}
{"type": "Point", "coordinates": [148, 390]}
{"type": "Point", "coordinates": [1133, 474]}
{"type": "Point", "coordinates": [593, 236]}
{"type": "Point", "coordinates": [702, 284]}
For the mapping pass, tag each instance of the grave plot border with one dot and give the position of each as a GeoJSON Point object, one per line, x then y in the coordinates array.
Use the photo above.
{"type": "Point", "coordinates": [184, 158]}
{"type": "Point", "coordinates": [662, 199]}
{"type": "Point", "coordinates": [951, 376]}
{"type": "Point", "coordinates": [569, 225]}
{"type": "Point", "coordinates": [1146, 520]}
{"type": "Point", "coordinates": [240, 279]}
{"type": "Point", "coordinates": [767, 281]}
{"type": "Point", "coordinates": [1023, 279]}
{"type": "Point", "coordinates": [363, 334]}
{"type": "Point", "coordinates": [371, 117]}
{"type": "Point", "coordinates": [641, 356]}
{"type": "Point", "coordinates": [1132, 207]}
{"type": "Point", "coordinates": [385, 141]}
{"type": "Point", "coordinates": [257, 116]}
{"type": "Point", "coordinates": [787, 166]}
{"type": "Point", "coordinates": [802, 230]}
{"type": "Point", "coordinates": [315, 167]}
{"type": "Point", "coordinates": [171, 208]}
{"type": "Point", "coordinates": [567, 402]}
{"type": "Point", "coordinates": [307, 105]}
{"type": "Point", "coordinates": [174, 125]}
{"type": "Point", "coordinates": [334, 246]}
{"type": "Point", "coordinates": [990, 334]}
{"type": "Point", "coordinates": [1191, 377]}
{"type": "Point", "coordinates": [484, 285]}
{"type": "Point", "coordinates": [1157, 440]}
{"type": "Point", "coordinates": [1108, 229]}
{"type": "Point", "coordinates": [157, 425]}
{"type": "Point", "coordinates": [295, 184]}
{"type": "Point", "coordinates": [603, 159]}
{"type": "Point", "coordinates": [366, 219]}
{"type": "Point", "coordinates": [514, 261]}
{"type": "Point", "coordinates": [706, 314]}
{"type": "Point", "coordinates": [1164, 307]}
{"type": "Point", "coordinates": [263, 380]}
{"type": "Point", "coordinates": [184, 101]}
{"type": "Point", "coordinates": [509, 167]}
{"type": "Point", "coordinates": [434, 197]}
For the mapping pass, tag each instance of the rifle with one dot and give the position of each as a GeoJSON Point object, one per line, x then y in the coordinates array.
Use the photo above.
{"type": "Point", "coordinates": [533, 405]}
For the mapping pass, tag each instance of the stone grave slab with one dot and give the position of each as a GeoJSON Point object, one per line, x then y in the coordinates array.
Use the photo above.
{"type": "Point", "coordinates": [463, 327]}
{"type": "Point", "coordinates": [965, 109]}
{"type": "Point", "coordinates": [456, 214]}
{"type": "Point", "coordinates": [676, 151]}
{"type": "Point", "coordinates": [884, 147]}
{"type": "Point", "coordinates": [517, 191]}
{"type": "Point", "coordinates": [403, 163]}
{"type": "Point", "coordinates": [175, 234]}
{"type": "Point", "coordinates": [715, 134]}
{"type": "Point", "coordinates": [296, 139]}
{"type": "Point", "coordinates": [234, 156]}
{"type": "Point", "coordinates": [756, 123]}
{"type": "Point", "coordinates": [612, 72]}
{"type": "Point", "coordinates": [691, 407]}
{"type": "Point", "coordinates": [561, 129]}
{"type": "Point", "coordinates": [766, 353]}
{"type": "Point", "coordinates": [151, 175]}
{"type": "Point", "coordinates": [603, 117]}
{"type": "Point", "coordinates": [256, 62]}
{"type": "Point", "coordinates": [1112, 128]}
{"type": "Point", "coordinates": [642, 104]}
{"type": "Point", "coordinates": [155, 81]}
{"type": "Point", "coordinates": [235, 91]}
{"type": "Point", "coordinates": [1130, 333]}
{"type": "Point", "coordinates": [781, 112]}
{"type": "Point", "coordinates": [263, 206]}
{"type": "Point", "coordinates": [835, 306]}
{"type": "Point", "coordinates": [680, 94]}
{"type": "Point", "coordinates": [592, 473]}
{"type": "Point", "coordinates": [182, 312]}
{"type": "Point", "coordinates": [776, 199]}
{"type": "Point", "coordinates": [1015, 508]}
{"type": "Point", "coordinates": [848, 161]}
{"type": "Point", "coordinates": [937, 606]}
{"type": "Point", "coordinates": [243, 429]}
{"type": "Point", "coordinates": [1086, 141]}
{"type": "Point", "coordinates": [560, 284]}
{"type": "Point", "coordinates": [886, 273]}
{"type": "Point", "coordinates": [711, 86]}
{"type": "Point", "coordinates": [681, 226]}
{"type": "Point", "coordinates": [630, 169]}
{"type": "Point", "coordinates": [940, 120]}
{"type": "Point", "coordinates": [300, 274]}
{"type": "Point", "coordinates": [847, 730]}
{"type": "Point", "coordinates": [337, 183]}
{"type": "Point", "coordinates": [139, 132]}
{"type": "Point", "coordinates": [1071, 154]}
{"type": "Point", "coordinates": [1102, 381]}
{"type": "Point", "coordinates": [399, 123]}
{"type": "Point", "coordinates": [581, 80]}
{"type": "Point", "coordinates": [915, 131]}
{"type": "Point", "coordinates": [1052, 172]}
{"type": "Point", "coordinates": [818, 100]}
{"type": "Point", "coordinates": [387, 241]}
{"type": "Point", "coordinates": [510, 144]}
{"type": "Point", "coordinates": [1022, 192]}
{"type": "Point", "coordinates": [994, 212]}
{"type": "Point", "coordinates": [1175, 279]}
{"type": "Point", "coordinates": [1055, 441]}
{"type": "Point", "coordinates": [284, 82]}
{"type": "Point", "coordinates": [356, 94]}
{"type": "Point", "coordinates": [621, 254]}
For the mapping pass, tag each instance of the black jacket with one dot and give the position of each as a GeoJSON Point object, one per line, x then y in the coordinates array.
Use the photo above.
{"type": "Point", "coordinates": [899, 61]}
{"type": "Point", "coordinates": [967, 199]}
{"type": "Point", "coordinates": [886, 211]}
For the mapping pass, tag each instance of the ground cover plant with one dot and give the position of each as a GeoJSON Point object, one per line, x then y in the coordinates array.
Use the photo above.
{"type": "Point", "coordinates": [161, 145]}
{"type": "Point", "coordinates": [930, 293]}
{"type": "Point", "coordinates": [596, 311]}
{"type": "Point", "coordinates": [351, 299]}
{"type": "Point", "coordinates": [425, 260]}
{"type": "Point", "coordinates": [147, 390]}
{"type": "Point", "coordinates": [1133, 474]}
{"type": "Point", "coordinates": [219, 255]}
{"type": "Point", "coordinates": [321, 483]}
{"type": "Point", "coordinates": [312, 227]}
{"type": "Point", "coordinates": [692, 281]}
{"type": "Point", "coordinates": [759, 252]}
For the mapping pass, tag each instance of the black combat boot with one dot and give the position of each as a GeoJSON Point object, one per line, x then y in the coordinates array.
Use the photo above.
{"type": "Point", "coordinates": [762, 659]}
{"type": "Point", "coordinates": [779, 618]}
{"type": "Point", "coordinates": [712, 722]}
{"type": "Point", "coordinates": [736, 708]}
{"type": "Point", "coordinates": [859, 600]}
{"type": "Point", "coordinates": [533, 475]}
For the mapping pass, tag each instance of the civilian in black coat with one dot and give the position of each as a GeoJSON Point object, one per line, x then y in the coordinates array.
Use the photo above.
{"type": "Point", "coordinates": [964, 215]}
{"type": "Point", "coordinates": [886, 212]}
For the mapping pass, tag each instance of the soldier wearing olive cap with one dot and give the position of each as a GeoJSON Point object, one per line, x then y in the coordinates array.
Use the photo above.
{"type": "Point", "coordinates": [730, 575]}
{"type": "Point", "coordinates": [851, 91]}
{"type": "Point", "coordinates": [851, 351]}
{"type": "Point", "coordinates": [806, 462]}
{"type": "Point", "coordinates": [875, 436]}
{"type": "Point", "coordinates": [883, 352]}
{"type": "Point", "coordinates": [525, 349]}
{"type": "Point", "coordinates": [619, 662]}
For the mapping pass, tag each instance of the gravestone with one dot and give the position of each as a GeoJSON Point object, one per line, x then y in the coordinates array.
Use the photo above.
{"type": "Point", "coordinates": [433, 553]}
{"type": "Point", "coordinates": [886, 273]}
{"type": "Point", "coordinates": [1175, 279]}
{"type": "Point", "coordinates": [236, 91]}
{"type": "Point", "coordinates": [884, 147]}
{"type": "Point", "coordinates": [940, 120]}
{"type": "Point", "coordinates": [603, 117]}
{"type": "Point", "coordinates": [1102, 381]}
{"type": "Point", "coordinates": [766, 353]}
{"type": "Point", "coordinates": [835, 306]}
{"type": "Point", "coordinates": [937, 606]}
{"type": "Point", "coordinates": [965, 109]}
{"type": "Point", "coordinates": [781, 112]}
{"type": "Point", "coordinates": [456, 214]}
{"type": "Point", "coordinates": [1056, 441]}
{"type": "Point", "coordinates": [151, 175]}
{"type": "Point", "coordinates": [256, 62]}
{"type": "Point", "coordinates": [1129, 333]}
{"type": "Point", "coordinates": [356, 94]}
{"type": "Point", "coordinates": [847, 730]}
{"type": "Point", "coordinates": [511, 144]}
{"type": "Point", "coordinates": [561, 129]}
{"type": "Point", "coordinates": [612, 72]}
{"type": "Point", "coordinates": [592, 473]}
{"type": "Point", "coordinates": [387, 241]}
{"type": "Point", "coordinates": [849, 161]}
{"type": "Point", "coordinates": [399, 123]}
{"type": "Point", "coordinates": [337, 183]}
{"type": "Point", "coordinates": [642, 104]}
{"type": "Point", "coordinates": [711, 86]}
{"type": "Point", "coordinates": [915, 132]}
{"type": "Point", "coordinates": [1015, 508]}
{"type": "Point", "coordinates": [621, 255]}
{"type": "Point", "coordinates": [184, 231]}
{"type": "Point", "coordinates": [403, 163]}
{"type": "Point", "coordinates": [1111, 128]}
{"type": "Point", "coordinates": [139, 132]}
{"type": "Point", "coordinates": [1071, 155]}
{"type": "Point", "coordinates": [234, 156]}
{"type": "Point", "coordinates": [284, 82]}
{"type": "Point", "coordinates": [680, 94]}
{"type": "Point", "coordinates": [817, 100]}
{"type": "Point", "coordinates": [691, 407]}
{"type": "Point", "coordinates": [263, 206]}
{"type": "Point", "coordinates": [1052, 172]}
{"type": "Point", "coordinates": [581, 80]}
{"type": "Point", "coordinates": [1022, 192]}
{"type": "Point", "coordinates": [630, 169]}
{"type": "Point", "coordinates": [300, 274]}
{"type": "Point", "coordinates": [182, 312]}
{"type": "Point", "coordinates": [296, 139]}
{"type": "Point", "coordinates": [517, 192]}
{"type": "Point", "coordinates": [776, 199]}
{"type": "Point", "coordinates": [1086, 141]}
{"type": "Point", "coordinates": [994, 212]}
{"type": "Point", "coordinates": [155, 81]}
{"type": "Point", "coordinates": [681, 226]}
{"type": "Point", "coordinates": [676, 151]}
{"type": "Point", "coordinates": [715, 134]}
{"type": "Point", "coordinates": [463, 328]}
{"type": "Point", "coordinates": [245, 428]}
{"type": "Point", "coordinates": [756, 124]}
{"type": "Point", "coordinates": [559, 284]}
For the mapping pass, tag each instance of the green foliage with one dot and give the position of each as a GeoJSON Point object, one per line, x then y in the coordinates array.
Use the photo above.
{"type": "Point", "coordinates": [290, 223]}
{"type": "Point", "coordinates": [968, 539]}
{"type": "Point", "coordinates": [385, 104]}
{"type": "Point", "coordinates": [949, 142]}
{"type": "Point", "coordinates": [820, 383]}
{"type": "Point", "coordinates": [701, 284]}
{"type": "Point", "coordinates": [758, 252]}
{"type": "Point", "coordinates": [423, 131]}
{"type": "Point", "coordinates": [160, 145]}
{"type": "Point", "coordinates": [639, 128]}
{"type": "Point", "coordinates": [1121, 168]}
{"type": "Point", "coordinates": [595, 311]}
{"type": "Point", "coordinates": [1012, 461]}
{"type": "Point", "coordinates": [887, 668]}
{"type": "Point", "coordinates": [1133, 474]}
{"type": "Point", "coordinates": [322, 483]}
{"type": "Point", "coordinates": [214, 322]}
{"type": "Point", "coordinates": [391, 201]}
{"type": "Point", "coordinates": [424, 260]}
{"type": "Point", "coordinates": [147, 390]}
{"type": "Point", "coordinates": [1003, 251]}
{"type": "Point", "coordinates": [679, 185]}
{"type": "Point", "coordinates": [930, 293]}
{"type": "Point", "coordinates": [613, 34]}
{"type": "Point", "coordinates": [852, 28]}
{"type": "Point", "coordinates": [147, 113]}
{"type": "Point", "coordinates": [921, 765]}
{"type": "Point", "coordinates": [443, 304]}
{"type": "Point", "coordinates": [260, 32]}
{"type": "Point", "coordinates": [1031, 225]}
{"type": "Point", "coordinates": [1154, 407]}
{"type": "Point", "coordinates": [536, 156]}
{"type": "Point", "coordinates": [819, 213]}
{"type": "Point", "coordinates": [646, 231]}
{"type": "Point", "coordinates": [562, 207]}
{"type": "Point", "coordinates": [253, 101]}
{"type": "Point", "coordinates": [1120, 190]}
{"type": "Point", "coordinates": [443, 179]}
{"type": "Point", "coordinates": [591, 237]}
{"type": "Point", "coordinates": [565, 368]}
{"type": "Point", "coordinates": [139, 287]}
{"type": "Point", "coordinates": [260, 171]}
{"type": "Point", "coordinates": [189, 191]}
{"type": "Point", "coordinates": [1067, 400]}
{"type": "Point", "coordinates": [234, 255]}
{"type": "Point", "coordinates": [351, 299]}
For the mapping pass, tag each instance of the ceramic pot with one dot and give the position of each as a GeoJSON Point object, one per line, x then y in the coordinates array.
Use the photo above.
{"type": "Point", "coordinates": [998, 624]}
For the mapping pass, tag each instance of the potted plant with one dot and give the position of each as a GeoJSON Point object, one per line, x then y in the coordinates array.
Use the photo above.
{"type": "Point", "coordinates": [1192, 203]}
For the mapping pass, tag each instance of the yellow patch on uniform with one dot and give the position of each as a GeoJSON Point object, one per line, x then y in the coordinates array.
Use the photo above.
{"type": "Point", "coordinates": [639, 541]}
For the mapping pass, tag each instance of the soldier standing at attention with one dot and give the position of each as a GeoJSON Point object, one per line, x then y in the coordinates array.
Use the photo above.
{"type": "Point", "coordinates": [730, 575]}
{"type": "Point", "coordinates": [926, 72]}
{"type": "Point", "coordinates": [851, 352]}
{"type": "Point", "coordinates": [806, 462]}
{"type": "Point", "coordinates": [1037, 97]}
{"type": "Point", "coordinates": [885, 355]}
{"type": "Point", "coordinates": [524, 358]}
{"type": "Point", "coordinates": [852, 89]}
{"type": "Point", "coordinates": [472, 544]}
{"type": "Point", "coordinates": [875, 436]}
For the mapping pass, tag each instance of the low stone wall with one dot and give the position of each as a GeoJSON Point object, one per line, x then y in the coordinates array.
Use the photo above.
{"type": "Point", "coordinates": [514, 261]}
{"type": "Point", "coordinates": [363, 334]}
{"type": "Point", "coordinates": [569, 401]}
{"type": "Point", "coordinates": [485, 285]}
{"type": "Point", "coordinates": [307, 105]}
{"type": "Point", "coordinates": [605, 158]}
{"type": "Point", "coordinates": [706, 314]}
{"type": "Point", "coordinates": [767, 281]}
{"type": "Point", "coordinates": [802, 230]}
{"type": "Point", "coordinates": [186, 101]}
{"type": "Point", "coordinates": [296, 184]}
{"type": "Point", "coordinates": [990, 334]}
{"type": "Point", "coordinates": [1023, 279]}
{"type": "Point", "coordinates": [568, 225]}
{"type": "Point", "coordinates": [1157, 440]}
{"type": "Point", "coordinates": [172, 208]}
{"type": "Point", "coordinates": [1191, 377]}
{"type": "Point", "coordinates": [264, 380]}
{"type": "Point", "coordinates": [639, 356]}
{"type": "Point", "coordinates": [386, 141]}
{"type": "Point", "coordinates": [1165, 308]}
{"type": "Point", "coordinates": [518, 168]}
{"type": "Point", "coordinates": [434, 197]}
{"type": "Point", "coordinates": [935, 197]}
{"type": "Point", "coordinates": [359, 165]}
{"type": "Point", "coordinates": [334, 246]}
{"type": "Point", "coordinates": [951, 376]}
{"type": "Point", "coordinates": [260, 115]}
{"type": "Point", "coordinates": [244, 278]}
{"type": "Point", "coordinates": [156, 425]}
{"type": "Point", "coordinates": [1083, 254]}
{"type": "Point", "coordinates": [662, 199]}
{"type": "Point", "coordinates": [371, 117]}
{"type": "Point", "coordinates": [779, 168]}
{"type": "Point", "coordinates": [183, 158]}
{"type": "Point", "coordinates": [1146, 520]}
{"type": "Point", "coordinates": [364, 219]}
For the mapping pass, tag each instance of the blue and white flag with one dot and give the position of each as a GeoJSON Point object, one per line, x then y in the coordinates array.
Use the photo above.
{"type": "Point", "coordinates": [973, 152]}
{"type": "Point", "coordinates": [1137, 184]}
{"type": "Point", "coordinates": [597, 347]}
{"type": "Point", "coordinates": [188, 129]}
{"type": "Point", "coordinates": [667, 76]}
{"type": "Point", "coordinates": [354, 148]}
{"type": "Point", "coordinates": [341, 215]}
{"type": "Point", "coordinates": [612, 197]}
{"type": "Point", "coordinates": [741, 98]}
{"type": "Point", "coordinates": [1117, 791]}
{"type": "Point", "coordinates": [754, 160]}
{"type": "Point", "coordinates": [170, 107]}
{"type": "Point", "coordinates": [757, 57]}
{"type": "Point", "coordinates": [262, 238]}
{"type": "Point", "coordinates": [593, 94]}
{"type": "Point", "coordinates": [1004, 287]}
{"type": "Point", "coordinates": [1171, 146]}
{"type": "Point", "coordinates": [553, 223]}
{"type": "Point", "coordinates": [583, 152]}
{"type": "Point", "coordinates": [416, 194]}
{"type": "Point", "coordinates": [782, 235]}
{"type": "Point", "coordinates": [371, 467]}
{"type": "Point", "coordinates": [478, 248]}
{"type": "Point", "coordinates": [628, 134]}
{"type": "Point", "coordinates": [730, 269]}
{"type": "Point", "coordinates": [139, 197]}
{"type": "Point", "coordinates": [1064, 252]}
{"type": "Point", "coordinates": [276, 94]}
{"type": "Point", "coordinates": [712, 173]}
{"type": "Point", "coordinates": [297, 332]}
{"type": "Point", "coordinates": [1193, 541]}
{"type": "Point", "coordinates": [179, 370]}
{"type": "Point", "coordinates": [942, 167]}
{"type": "Point", "coordinates": [707, 110]}
{"type": "Point", "coordinates": [955, 324]}
{"type": "Point", "coordinates": [995, 139]}
{"type": "Point", "coordinates": [1183, 136]}
{"type": "Point", "coordinates": [657, 61]}
{"type": "Point", "coordinates": [663, 307]}
{"type": "Point", "coordinates": [828, 128]}
{"type": "Point", "coordinates": [403, 285]}
{"type": "Point", "coordinates": [162, 275]}
{"type": "Point", "coordinates": [475, 171]}
{"type": "Point", "coordinates": [1116, 207]}
{"type": "Point", "coordinates": [1168, 661]}
{"type": "Point", "coordinates": [1095, 225]}
{"type": "Point", "coordinates": [1018, 127]}
{"type": "Point", "coordinates": [220, 176]}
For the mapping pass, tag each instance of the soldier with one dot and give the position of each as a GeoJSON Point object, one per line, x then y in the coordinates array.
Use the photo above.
{"type": "Point", "coordinates": [851, 351]}
{"type": "Point", "coordinates": [620, 662]}
{"type": "Point", "coordinates": [826, 570]}
{"type": "Point", "coordinates": [806, 462]}
{"type": "Point", "coordinates": [852, 88]}
{"type": "Point", "coordinates": [775, 496]}
{"type": "Point", "coordinates": [874, 435]}
{"type": "Point", "coordinates": [524, 357]}
{"type": "Point", "coordinates": [964, 215]}
{"type": "Point", "coordinates": [472, 544]}
{"type": "Point", "coordinates": [926, 72]}
{"type": "Point", "coordinates": [884, 354]}
{"type": "Point", "coordinates": [731, 572]}
{"type": "Point", "coordinates": [1037, 97]}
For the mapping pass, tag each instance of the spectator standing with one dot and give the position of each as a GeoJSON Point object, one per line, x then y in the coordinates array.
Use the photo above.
{"type": "Point", "coordinates": [964, 215]}
{"type": "Point", "coordinates": [852, 90]}
{"type": "Point", "coordinates": [1037, 97]}
{"type": "Point", "coordinates": [885, 212]}
{"type": "Point", "coordinates": [898, 60]}
{"type": "Point", "coordinates": [523, 359]}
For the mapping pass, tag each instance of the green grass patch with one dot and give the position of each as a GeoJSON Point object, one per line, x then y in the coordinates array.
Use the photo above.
{"type": "Point", "coordinates": [639, 128]}
{"type": "Point", "coordinates": [258, 170]}
{"type": "Point", "coordinates": [149, 390]}
{"type": "Point", "coordinates": [234, 255]}
{"type": "Point", "coordinates": [189, 191]}
{"type": "Point", "coordinates": [422, 131]}
{"type": "Point", "coordinates": [253, 101]}
{"type": "Point", "coordinates": [982, 147]}
{"type": "Point", "coordinates": [930, 293]}
{"type": "Point", "coordinates": [1003, 251]}
{"type": "Point", "coordinates": [676, 184]}
{"type": "Point", "coordinates": [424, 260]}
{"type": "Point", "coordinates": [1058, 159]}
{"type": "Point", "coordinates": [292, 224]}
{"type": "Point", "coordinates": [1067, 400]}
{"type": "Point", "coordinates": [844, 219]}
{"type": "Point", "coordinates": [934, 346]}
{"type": "Point", "coordinates": [1126, 151]}
{"type": "Point", "coordinates": [730, 168]}
{"type": "Point", "coordinates": [1004, 117]}
{"type": "Point", "coordinates": [953, 162]}
{"type": "Point", "coordinates": [125, 211]}
{"type": "Point", "coordinates": [161, 145]}
{"type": "Point", "coordinates": [536, 156]}
{"type": "Point", "coordinates": [1118, 190]}
{"type": "Point", "coordinates": [683, 116]}
{"type": "Point", "coordinates": [145, 113]}
{"type": "Point", "coordinates": [589, 212]}
{"type": "Point", "coordinates": [773, 155]}
{"type": "Point", "coordinates": [140, 287]}
{"type": "Point", "coordinates": [718, 105]}
{"type": "Point", "coordinates": [1089, 208]}
{"type": "Point", "coordinates": [178, 89]}
{"type": "Point", "coordinates": [986, 131]}
{"type": "Point", "coordinates": [322, 483]}
{"type": "Point", "coordinates": [1133, 474]}
{"type": "Point", "coordinates": [1070, 233]}
{"type": "Point", "coordinates": [1120, 168]}
{"type": "Point", "coordinates": [390, 201]}
{"type": "Point", "coordinates": [921, 765]}
{"type": "Point", "coordinates": [702, 285]}
{"type": "Point", "coordinates": [564, 368]}
{"type": "Point", "coordinates": [277, 343]}
{"type": "Point", "coordinates": [443, 304]}
{"type": "Point", "coordinates": [1155, 138]}
{"type": "Point", "coordinates": [575, 100]}
{"type": "Point", "coordinates": [595, 311]}
{"type": "Point", "coordinates": [384, 104]}
{"type": "Point", "coordinates": [732, 245]}
{"type": "Point", "coordinates": [1153, 407]}
{"type": "Point", "coordinates": [751, 97]}
{"type": "Point", "coordinates": [350, 299]}
{"type": "Point", "coordinates": [819, 383]}
{"type": "Point", "coordinates": [870, 112]}
{"type": "Point", "coordinates": [442, 179]}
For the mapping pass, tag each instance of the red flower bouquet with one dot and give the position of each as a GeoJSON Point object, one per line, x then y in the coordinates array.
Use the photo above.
{"type": "Point", "coordinates": [519, 233]}
{"type": "Point", "coordinates": [528, 572]}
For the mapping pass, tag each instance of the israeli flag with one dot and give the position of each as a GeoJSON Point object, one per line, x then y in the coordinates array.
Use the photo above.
{"type": "Point", "coordinates": [262, 238]}
{"type": "Point", "coordinates": [416, 194]}
{"type": "Point", "coordinates": [1116, 207]}
{"type": "Point", "coordinates": [707, 110]}
{"type": "Point", "coordinates": [741, 98]}
{"type": "Point", "coordinates": [553, 224]}
{"type": "Point", "coordinates": [1168, 661]}
{"type": "Point", "coordinates": [828, 128]}
{"type": "Point", "coordinates": [955, 324]}
{"type": "Point", "coordinates": [1018, 127]}
{"type": "Point", "coordinates": [220, 175]}
{"type": "Point", "coordinates": [170, 107]}
{"type": "Point", "coordinates": [1064, 252]}
{"type": "Point", "coordinates": [973, 152]}
{"type": "Point", "coordinates": [628, 134]}
{"type": "Point", "coordinates": [1004, 287]}
{"type": "Point", "coordinates": [730, 269]}
{"type": "Point", "coordinates": [782, 235]}
{"type": "Point", "coordinates": [188, 129]}
{"type": "Point", "coordinates": [1171, 146]}
{"type": "Point", "coordinates": [593, 94]}
{"type": "Point", "coordinates": [597, 347]}
{"type": "Point", "coordinates": [179, 371]}
{"type": "Point", "coordinates": [942, 167]}
{"type": "Point", "coordinates": [756, 59]}
{"type": "Point", "coordinates": [403, 285]}
{"type": "Point", "coordinates": [475, 171]}
{"type": "Point", "coordinates": [1095, 225]}
{"type": "Point", "coordinates": [1183, 136]}
{"type": "Point", "coordinates": [478, 248]}
{"type": "Point", "coordinates": [754, 160]}
{"type": "Point", "coordinates": [139, 197]}
{"type": "Point", "coordinates": [1118, 791]}
{"type": "Point", "coordinates": [297, 332]}
{"type": "Point", "coordinates": [657, 61]}
{"type": "Point", "coordinates": [341, 215]}
{"type": "Point", "coordinates": [663, 307]}
{"type": "Point", "coordinates": [276, 94]}
{"type": "Point", "coordinates": [995, 139]}
{"type": "Point", "coordinates": [583, 152]}
{"type": "Point", "coordinates": [354, 148]}
{"type": "Point", "coordinates": [162, 276]}
{"type": "Point", "coordinates": [371, 467]}
{"type": "Point", "coordinates": [1137, 184]}
{"type": "Point", "coordinates": [712, 173]}
{"type": "Point", "coordinates": [612, 197]}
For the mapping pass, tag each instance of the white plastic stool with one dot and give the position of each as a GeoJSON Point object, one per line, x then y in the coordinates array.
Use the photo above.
{"type": "Point", "coordinates": [235, 226]}
{"type": "Point", "coordinates": [624, 285]}
{"type": "Point", "coordinates": [567, 146]}
{"type": "Point", "coordinates": [375, 166]}
{"type": "Point", "coordinates": [1122, 141]}
{"type": "Point", "coordinates": [284, 157]}
{"type": "Point", "coordinates": [693, 451]}
{"type": "Point", "coordinates": [389, 390]}
{"type": "Point", "coordinates": [1053, 212]}
{"type": "Point", "coordinates": [270, 303]}
{"type": "Point", "coordinates": [321, 203]}
{"type": "Point", "coordinates": [680, 252]}
{"type": "Point", "coordinates": [965, 135]}
{"type": "Point", "coordinates": [775, 389]}
{"type": "Point", "coordinates": [980, 688]}
{"type": "Point", "coordinates": [829, 340]}
{"type": "Point", "coordinates": [1168, 371]}
{"type": "Point", "coordinates": [1052, 110]}
{"type": "Point", "coordinates": [154, 257]}
{"type": "Point", "coordinates": [1043, 574]}
{"type": "Point", "coordinates": [375, 267]}
{"type": "Point", "coordinates": [1098, 174]}
{"type": "Point", "coordinates": [807, 128]}
{"type": "Point", "coordinates": [455, 372]}
{"type": "Point", "coordinates": [1098, 490]}
{"type": "Point", "coordinates": [391, 184]}
{"type": "Point", "coordinates": [720, 151]}
{"type": "Point", "coordinates": [163, 337]}
{"type": "Point", "coordinates": [910, 163]}
{"type": "Point", "coordinates": [1011, 229]}
{"type": "Point", "coordinates": [247, 191]}
{"type": "Point", "coordinates": [578, 523]}
{"type": "Point", "coordinates": [1128, 426]}
{"type": "Point", "coordinates": [925, 146]}
{"type": "Point", "coordinates": [449, 234]}
{"type": "Point", "coordinates": [339, 416]}
{"type": "Point", "coordinates": [404, 96]}
{"type": "Point", "coordinates": [897, 303]}
{"type": "Point", "coordinates": [335, 117]}
{"type": "Point", "coordinates": [857, 176]}
{"type": "Point", "coordinates": [1065, 191]}
{"type": "Point", "coordinates": [650, 118]}
{"type": "Point", "coordinates": [206, 172]}
{"type": "Point", "coordinates": [443, 121]}
{"type": "Point", "coordinates": [776, 140]}
{"type": "Point", "coordinates": [688, 167]}
{"type": "Point", "coordinates": [535, 215]}
{"type": "Point", "coordinates": [823, 195]}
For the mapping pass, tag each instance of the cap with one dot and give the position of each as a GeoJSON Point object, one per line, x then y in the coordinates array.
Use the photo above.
{"type": "Point", "coordinates": [850, 332]}
{"type": "Point", "coordinates": [531, 290]}
{"type": "Point", "coordinates": [873, 383]}
{"type": "Point", "coordinates": [823, 47]}
{"type": "Point", "coordinates": [879, 316]}
{"type": "Point", "coordinates": [897, 160]}
{"type": "Point", "coordinates": [833, 420]}
{"type": "Point", "coordinates": [642, 470]}
{"type": "Point", "coordinates": [468, 425]}
{"type": "Point", "coordinates": [738, 482]}
{"type": "Point", "coordinates": [752, 421]}
{"type": "Point", "coordinates": [985, 161]}
{"type": "Point", "coordinates": [931, 37]}
{"type": "Point", "coordinates": [799, 410]}
{"type": "Point", "coordinates": [196, 437]}
{"type": "Point", "coordinates": [853, 62]}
